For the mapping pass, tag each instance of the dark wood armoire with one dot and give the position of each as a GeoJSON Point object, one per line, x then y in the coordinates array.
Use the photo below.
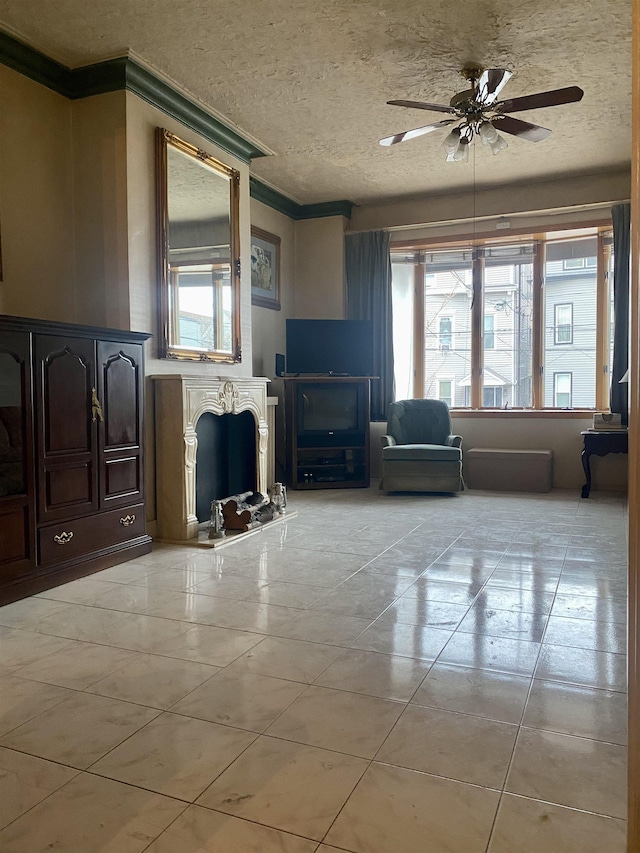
{"type": "Point", "coordinates": [71, 452]}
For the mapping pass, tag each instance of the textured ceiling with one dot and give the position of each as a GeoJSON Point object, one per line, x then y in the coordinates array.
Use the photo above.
{"type": "Point", "coordinates": [308, 80]}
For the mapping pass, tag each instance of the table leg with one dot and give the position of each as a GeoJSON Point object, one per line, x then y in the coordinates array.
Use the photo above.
{"type": "Point", "coordinates": [587, 470]}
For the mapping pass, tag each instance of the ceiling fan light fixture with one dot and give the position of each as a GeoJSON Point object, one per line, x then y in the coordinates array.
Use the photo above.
{"type": "Point", "coordinates": [498, 145]}
{"type": "Point", "coordinates": [488, 133]}
{"type": "Point", "coordinates": [451, 142]}
{"type": "Point", "coordinates": [461, 155]}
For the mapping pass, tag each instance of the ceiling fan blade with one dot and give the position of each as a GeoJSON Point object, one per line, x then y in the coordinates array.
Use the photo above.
{"type": "Point", "coordinates": [421, 105]}
{"type": "Point", "coordinates": [569, 95]}
{"type": "Point", "coordinates": [418, 131]}
{"type": "Point", "coordinates": [521, 129]}
{"type": "Point", "coordinates": [490, 83]}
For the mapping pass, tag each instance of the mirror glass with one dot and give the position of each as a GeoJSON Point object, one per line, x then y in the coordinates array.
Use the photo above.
{"type": "Point", "coordinates": [200, 253]}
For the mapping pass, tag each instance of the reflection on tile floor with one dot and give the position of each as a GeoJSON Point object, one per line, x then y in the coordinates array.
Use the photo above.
{"type": "Point", "coordinates": [380, 673]}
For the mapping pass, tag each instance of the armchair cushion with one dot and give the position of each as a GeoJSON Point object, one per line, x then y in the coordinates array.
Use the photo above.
{"type": "Point", "coordinates": [423, 452]}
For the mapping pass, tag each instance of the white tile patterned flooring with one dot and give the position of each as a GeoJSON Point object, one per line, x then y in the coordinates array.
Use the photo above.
{"type": "Point", "coordinates": [380, 674]}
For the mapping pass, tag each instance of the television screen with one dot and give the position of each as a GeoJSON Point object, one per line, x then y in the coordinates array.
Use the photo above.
{"type": "Point", "coordinates": [331, 347]}
{"type": "Point", "coordinates": [329, 407]}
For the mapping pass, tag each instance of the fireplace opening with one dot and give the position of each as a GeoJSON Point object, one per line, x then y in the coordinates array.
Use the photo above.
{"type": "Point", "coordinates": [225, 458]}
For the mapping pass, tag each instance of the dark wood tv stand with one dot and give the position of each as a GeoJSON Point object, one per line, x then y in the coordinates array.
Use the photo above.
{"type": "Point", "coordinates": [337, 460]}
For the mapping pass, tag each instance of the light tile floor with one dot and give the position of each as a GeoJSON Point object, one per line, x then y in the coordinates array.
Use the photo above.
{"type": "Point", "coordinates": [380, 674]}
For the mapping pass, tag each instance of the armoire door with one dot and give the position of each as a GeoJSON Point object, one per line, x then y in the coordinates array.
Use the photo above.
{"type": "Point", "coordinates": [66, 427]}
{"type": "Point", "coordinates": [120, 381]}
{"type": "Point", "coordinates": [17, 489]}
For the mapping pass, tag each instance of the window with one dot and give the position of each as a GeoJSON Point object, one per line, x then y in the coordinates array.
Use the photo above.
{"type": "Point", "coordinates": [402, 296]}
{"type": "Point", "coordinates": [563, 324]}
{"type": "Point", "coordinates": [571, 334]}
{"type": "Point", "coordinates": [579, 263]}
{"type": "Point", "coordinates": [489, 338]}
{"type": "Point", "coordinates": [442, 317]}
{"type": "Point", "coordinates": [573, 263]}
{"type": "Point", "coordinates": [610, 306]}
{"type": "Point", "coordinates": [507, 352]}
{"type": "Point", "coordinates": [445, 333]}
{"type": "Point", "coordinates": [445, 391]}
{"type": "Point", "coordinates": [499, 318]}
{"type": "Point", "coordinates": [201, 299]}
{"type": "Point", "coordinates": [562, 390]}
{"type": "Point", "coordinates": [492, 396]}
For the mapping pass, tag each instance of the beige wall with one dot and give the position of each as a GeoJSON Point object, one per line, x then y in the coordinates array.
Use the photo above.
{"type": "Point", "coordinates": [63, 205]}
{"type": "Point", "coordinates": [311, 279]}
{"type": "Point", "coordinates": [319, 292]}
{"type": "Point", "coordinates": [565, 197]}
{"type": "Point", "coordinates": [561, 435]}
{"type": "Point", "coordinates": [36, 202]}
{"type": "Point", "coordinates": [100, 210]}
{"type": "Point", "coordinates": [267, 325]}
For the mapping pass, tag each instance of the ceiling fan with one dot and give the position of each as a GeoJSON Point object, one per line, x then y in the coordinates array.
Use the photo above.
{"type": "Point", "coordinates": [479, 113]}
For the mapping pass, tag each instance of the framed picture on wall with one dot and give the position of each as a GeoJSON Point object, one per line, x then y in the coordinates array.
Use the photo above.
{"type": "Point", "coordinates": [265, 269]}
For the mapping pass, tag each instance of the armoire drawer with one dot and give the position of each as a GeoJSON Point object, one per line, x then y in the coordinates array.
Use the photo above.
{"type": "Point", "coordinates": [67, 539]}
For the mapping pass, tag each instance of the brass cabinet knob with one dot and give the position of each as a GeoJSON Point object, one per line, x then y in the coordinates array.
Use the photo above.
{"type": "Point", "coordinates": [127, 520]}
{"type": "Point", "coordinates": [63, 538]}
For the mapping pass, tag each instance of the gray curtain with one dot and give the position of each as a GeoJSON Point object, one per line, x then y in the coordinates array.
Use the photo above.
{"type": "Point", "coordinates": [368, 278]}
{"type": "Point", "coordinates": [621, 214]}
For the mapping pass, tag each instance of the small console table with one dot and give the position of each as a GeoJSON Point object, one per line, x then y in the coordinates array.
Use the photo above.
{"type": "Point", "coordinates": [601, 442]}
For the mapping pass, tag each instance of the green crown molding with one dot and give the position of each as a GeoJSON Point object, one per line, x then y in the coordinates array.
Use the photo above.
{"type": "Point", "coordinates": [272, 198]}
{"type": "Point", "coordinates": [120, 74]}
{"type": "Point", "coordinates": [35, 65]}
{"type": "Point", "coordinates": [342, 207]}
{"type": "Point", "coordinates": [124, 73]}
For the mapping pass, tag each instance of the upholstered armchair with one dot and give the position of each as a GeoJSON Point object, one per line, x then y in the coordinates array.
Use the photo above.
{"type": "Point", "coordinates": [419, 454]}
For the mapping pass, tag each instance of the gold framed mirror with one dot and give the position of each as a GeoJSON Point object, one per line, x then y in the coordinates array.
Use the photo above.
{"type": "Point", "coordinates": [199, 253]}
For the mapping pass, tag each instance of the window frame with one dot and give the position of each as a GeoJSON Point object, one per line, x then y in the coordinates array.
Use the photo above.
{"type": "Point", "coordinates": [601, 230]}
{"type": "Point", "coordinates": [450, 380]}
{"type": "Point", "coordinates": [570, 264]}
{"type": "Point", "coordinates": [557, 325]}
{"type": "Point", "coordinates": [492, 332]}
{"type": "Point", "coordinates": [494, 389]}
{"type": "Point", "coordinates": [556, 375]}
{"type": "Point", "coordinates": [451, 334]}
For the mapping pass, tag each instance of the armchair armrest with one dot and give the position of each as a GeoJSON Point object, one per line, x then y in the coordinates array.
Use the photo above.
{"type": "Point", "coordinates": [387, 440]}
{"type": "Point", "coordinates": [454, 441]}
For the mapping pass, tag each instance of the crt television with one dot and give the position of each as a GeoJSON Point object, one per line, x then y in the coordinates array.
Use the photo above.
{"type": "Point", "coordinates": [331, 347]}
{"type": "Point", "coordinates": [331, 414]}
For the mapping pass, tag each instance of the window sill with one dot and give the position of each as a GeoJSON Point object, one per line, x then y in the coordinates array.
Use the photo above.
{"type": "Point", "coordinates": [567, 414]}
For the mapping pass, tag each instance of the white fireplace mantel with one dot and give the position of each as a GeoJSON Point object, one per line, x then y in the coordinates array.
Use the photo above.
{"type": "Point", "coordinates": [179, 402]}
